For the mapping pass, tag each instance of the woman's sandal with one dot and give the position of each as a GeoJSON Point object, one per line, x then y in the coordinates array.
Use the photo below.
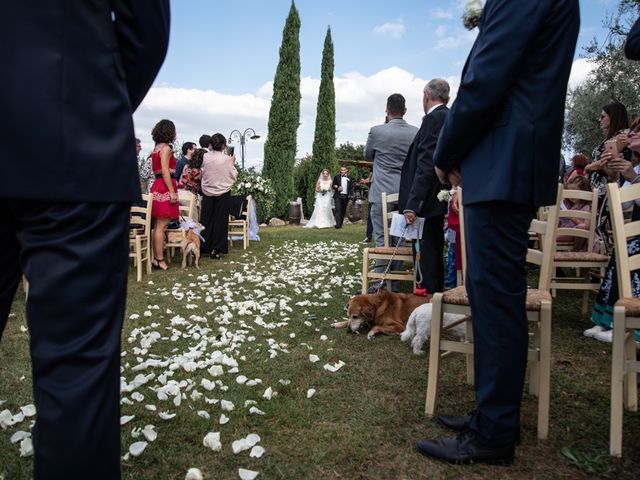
{"type": "Point", "coordinates": [157, 264]}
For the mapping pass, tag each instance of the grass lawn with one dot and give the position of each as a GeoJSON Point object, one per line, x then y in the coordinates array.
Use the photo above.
{"type": "Point", "coordinates": [196, 343]}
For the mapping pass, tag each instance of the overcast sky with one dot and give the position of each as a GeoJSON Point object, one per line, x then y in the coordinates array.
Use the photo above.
{"type": "Point", "coordinates": [218, 75]}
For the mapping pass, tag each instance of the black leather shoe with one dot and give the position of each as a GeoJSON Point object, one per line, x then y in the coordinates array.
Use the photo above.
{"type": "Point", "coordinates": [215, 254]}
{"type": "Point", "coordinates": [457, 423]}
{"type": "Point", "coordinates": [467, 447]}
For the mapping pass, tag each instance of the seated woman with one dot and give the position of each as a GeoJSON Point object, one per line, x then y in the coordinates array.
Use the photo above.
{"type": "Point", "coordinates": [577, 182]}
{"type": "Point", "coordinates": [322, 216]}
{"type": "Point", "coordinates": [578, 164]}
{"type": "Point", "coordinates": [608, 295]}
{"type": "Point", "coordinates": [218, 176]}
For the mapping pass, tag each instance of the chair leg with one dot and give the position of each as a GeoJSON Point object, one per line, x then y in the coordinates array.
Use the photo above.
{"type": "Point", "coordinates": [617, 380]}
{"type": "Point", "coordinates": [534, 366]}
{"type": "Point", "coordinates": [544, 371]}
{"type": "Point", "coordinates": [585, 303]}
{"type": "Point", "coordinates": [148, 256]}
{"type": "Point", "coordinates": [471, 373]}
{"type": "Point", "coordinates": [365, 270]}
{"type": "Point", "coordinates": [138, 258]}
{"type": "Point", "coordinates": [434, 355]}
{"type": "Point", "coordinates": [630, 382]}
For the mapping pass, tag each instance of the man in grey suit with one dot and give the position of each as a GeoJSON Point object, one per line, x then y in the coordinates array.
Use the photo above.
{"type": "Point", "coordinates": [387, 147]}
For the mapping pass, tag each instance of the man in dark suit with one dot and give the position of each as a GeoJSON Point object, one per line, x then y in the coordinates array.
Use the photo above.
{"type": "Point", "coordinates": [502, 138]}
{"type": "Point", "coordinates": [80, 71]}
{"type": "Point", "coordinates": [419, 185]}
{"type": "Point", "coordinates": [632, 46]}
{"type": "Point", "coordinates": [342, 193]}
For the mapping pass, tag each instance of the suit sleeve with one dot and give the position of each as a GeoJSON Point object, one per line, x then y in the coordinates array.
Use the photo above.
{"type": "Point", "coordinates": [369, 151]}
{"type": "Point", "coordinates": [142, 30]}
{"type": "Point", "coordinates": [632, 47]}
{"type": "Point", "coordinates": [507, 28]}
{"type": "Point", "coordinates": [424, 165]}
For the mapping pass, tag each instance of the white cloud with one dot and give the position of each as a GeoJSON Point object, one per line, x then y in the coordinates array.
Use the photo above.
{"type": "Point", "coordinates": [460, 38]}
{"type": "Point", "coordinates": [360, 104]}
{"type": "Point", "coordinates": [579, 71]}
{"type": "Point", "coordinates": [391, 29]}
{"type": "Point", "coordinates": [441, 13]}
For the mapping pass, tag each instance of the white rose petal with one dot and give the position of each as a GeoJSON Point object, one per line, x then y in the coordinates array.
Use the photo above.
{"type": "Point", "coordinates": [126, 419]}
{"type": "Point", "coordinates": [314, 358]}
{"type": "Point", "coordinates": [204, 414]}
{"type": "Point", "coordinates": [240, 445]}
{"type": "Point", "coordinates": [311, 392]}
{"type": "Point", "coordinates": [166, 415]}
{"type": "Point", "coordinates": [26, 447]}
{"type": "Point", "coordinates": [223, 419]}
{"type": "Point", "coordinates": [150, 433]}
{"type": "Point", "coordinates": [253, 439]}
{"type": "Point", "coordinates": [256, 411]}
{"type": "Point", "coordinates": [257, 451]}
{"type": "Point", "coordinates": [268, 393]}
{"type": "Point", "coordinates": [212, 441]}
{"type": "Point", "coordinates": [19, 436]}
{"type": "Point", "coordinates": [194, 474]}
{"type": "Point", "coordinates": [28, 410]}
{"type": "Point", "coordinates": [136, 449]}
{"type": "Point", "coordinates": [241, 379]}
{"type": "Point", "coordinates": [247, 474]}
{"type": "Point", "coordinates": [227, 405]}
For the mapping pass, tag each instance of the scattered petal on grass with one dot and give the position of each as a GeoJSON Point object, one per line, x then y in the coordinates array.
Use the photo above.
{"type": "Point", "coordinates": [268, 393]}
{"type": "Point", "coordinates": [166, 415]}
{"type": "Point", "coordinates": [247, 474]}
{"type": "Point", "coordinates": [227, 405]}
{"type": "Point", "coordinates": [314, 358]}
{"type": "Point", "coordinates": [193, 474]}
{"type": "Point", "coordinates": [256, 411]}
{"type": "Point", "coordinates": [28, 410]}
{"type": "Point", "coordinates": [150, 433]}
{"type": "Point", "coordinates": [335, 367]}
{"type": "Point", "coordinates": [26, 447]}
{"type": "Point", "coordinates": [257, 451]}
{"type": "Point", "coordinates": [126, 419]}
{"type": "Point", "coordinates": [136, 448]}
{"type": "Point", "coordinates": [223, 419]}
{"type": "Point", "coordinates": [19, 436]}
{"type": "Point", "coordinates": [204, 414]}
{"type": "Point", "coordinates": [23, 329]}
{"type": "Point", "coordinates": [212, 441]}
{"type": "Point", "coordinates": [324, 338]}
{"type": "Point", "coordinates": [311, 392]}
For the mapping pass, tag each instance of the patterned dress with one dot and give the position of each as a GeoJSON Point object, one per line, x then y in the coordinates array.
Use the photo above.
{"type": "Point", "coordinates": [162, 207]}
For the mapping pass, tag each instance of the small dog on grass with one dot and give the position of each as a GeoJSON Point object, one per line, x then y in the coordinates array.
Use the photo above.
{"type": "Point", "coordinates": [386, 312]}
{"type": "Point", "coordinates": [190, 244]}
{"type": "Point", "coordinates": [419, 327]}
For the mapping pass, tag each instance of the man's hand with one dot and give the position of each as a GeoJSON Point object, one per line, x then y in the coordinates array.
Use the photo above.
{"type": "Point", "coordinates": [339, 189]}
{"type": "Point", "coordinates": [453, 178]}
{"type": "Point", "coordinates": [409, 217]}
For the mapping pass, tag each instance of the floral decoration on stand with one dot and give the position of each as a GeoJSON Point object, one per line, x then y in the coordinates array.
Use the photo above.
{"type": "Point", "coordinates": [250, 182]}
{"type": "Point", "coordinates": [472, 14]}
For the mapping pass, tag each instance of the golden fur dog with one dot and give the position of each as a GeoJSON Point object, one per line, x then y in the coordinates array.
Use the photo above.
{"type": "Point", "coordinates": [386, 312]}
{"type": "Point", "coordinates": [190, 245]}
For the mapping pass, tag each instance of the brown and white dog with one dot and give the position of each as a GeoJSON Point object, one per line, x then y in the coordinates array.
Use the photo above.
{"type": "Point", "coordinates": [190, 245]}
{"type": "Point", "coordinates": [386, 312]}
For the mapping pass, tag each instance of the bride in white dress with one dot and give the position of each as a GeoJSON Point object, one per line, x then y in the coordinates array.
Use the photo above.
{"type": "Point", "coordinates": [322, 216]}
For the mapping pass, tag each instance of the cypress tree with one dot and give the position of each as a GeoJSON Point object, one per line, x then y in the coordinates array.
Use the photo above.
{"type": "Point", "coordinates": [284, 115]}
{"type": "Point", "coordinates": [324, 140]}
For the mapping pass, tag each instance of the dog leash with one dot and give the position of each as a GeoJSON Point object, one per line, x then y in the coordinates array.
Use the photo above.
{"type": "Point", "coordinates": [393, 255]}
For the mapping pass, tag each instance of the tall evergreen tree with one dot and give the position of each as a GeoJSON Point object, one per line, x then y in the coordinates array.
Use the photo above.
{"type": "Point", "coordinates": [284, 115]}
{"type": "Point", "coordinates": [324, 140]}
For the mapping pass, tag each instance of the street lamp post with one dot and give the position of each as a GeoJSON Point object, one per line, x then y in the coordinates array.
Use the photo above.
{"type": "Point", "coordinates": [242, 137]}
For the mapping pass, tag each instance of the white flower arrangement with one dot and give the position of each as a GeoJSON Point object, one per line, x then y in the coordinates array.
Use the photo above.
{"type": "Point", "coordinates": [324, 190]}
{"type": "Point", "coordinates": [444, 195]}
{"type": "Point", "coordinates": [472, 14]}
{"type": "Point", "coordinates": [250, 182]}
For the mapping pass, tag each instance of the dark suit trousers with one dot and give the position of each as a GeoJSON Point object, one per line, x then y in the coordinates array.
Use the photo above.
{"type": "Point", "coordinates": [214, 216]}
{"type": "Point", "coordinates": [431, 254]}
{"type": "Point", "coordinates": [496, 241]}
{"type": "Point", "coordinates": [341, 208]}
{"type": "Point", "coordinates": [75, 258]}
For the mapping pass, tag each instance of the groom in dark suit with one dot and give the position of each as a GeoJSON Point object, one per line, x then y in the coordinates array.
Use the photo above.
{"type": "Point", "coordinates": [342, 193]}
{"type": "Point", "coordinates": [502, 139]}
{"type": "Point", "coordinates": [80, 69]}
{"type": "Point", "coordinates": [419, 185]}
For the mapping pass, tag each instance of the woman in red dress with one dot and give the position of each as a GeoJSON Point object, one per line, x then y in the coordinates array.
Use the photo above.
{"type": "Point", "coordinates": [164, 190]}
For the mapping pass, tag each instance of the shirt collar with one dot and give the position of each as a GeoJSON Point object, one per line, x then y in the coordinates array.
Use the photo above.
{"type": "Point", "coordinates": [434, 107]}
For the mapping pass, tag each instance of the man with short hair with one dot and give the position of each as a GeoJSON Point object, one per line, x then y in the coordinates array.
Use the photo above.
{"type": "Point", "coordinates": [387, 147]}
{"type": "Point", "coordinates": [419, 186]}
{"type": "Point", "coordinates": [188, 149]}
{"type": "Point", "coordinates": [342, 193]}
{"type": "Point", "coordinates": [205, 141]}
{"type": "Point", "coordinates": [502, 139]}
{"type": "Point", "coordinates": [145, 172]}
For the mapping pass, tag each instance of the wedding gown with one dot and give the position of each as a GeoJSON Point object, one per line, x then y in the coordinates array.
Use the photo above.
{"type": "Point", "coordinates": [322, 216]}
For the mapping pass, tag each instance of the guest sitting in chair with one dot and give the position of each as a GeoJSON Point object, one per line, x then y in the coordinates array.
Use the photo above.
{"type": "Point", "coordinates": [577, 182]}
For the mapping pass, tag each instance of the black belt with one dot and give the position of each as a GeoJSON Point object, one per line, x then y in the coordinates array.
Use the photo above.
{"type": "Point", "coordinates": [159, 175]}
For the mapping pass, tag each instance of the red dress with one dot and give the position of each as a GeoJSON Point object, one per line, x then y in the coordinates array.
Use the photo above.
{"type": "Point", "coordinates": [162, 207]}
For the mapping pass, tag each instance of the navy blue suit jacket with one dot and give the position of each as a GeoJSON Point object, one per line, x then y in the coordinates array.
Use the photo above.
{"type": "Point", "coordinates": [419, 184]}
{"type": "Point", "coordinates": [78, 71]}
{"type": "Point", "coordinates": [632, 47]}
{"type": "Point", "coordinates": [504, 129]}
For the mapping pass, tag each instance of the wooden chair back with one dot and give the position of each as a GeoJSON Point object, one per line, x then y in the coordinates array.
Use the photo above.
{"type": "Point", "coordinates": [584, 216]}
{"type": "Point", "coordinates": [387, 214]}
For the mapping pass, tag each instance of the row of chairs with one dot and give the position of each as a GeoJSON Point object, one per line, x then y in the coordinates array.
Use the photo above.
{"type": "Point", "coordinates": [140, 243]}
{"type": "Point", "coordinates": [543, 253]}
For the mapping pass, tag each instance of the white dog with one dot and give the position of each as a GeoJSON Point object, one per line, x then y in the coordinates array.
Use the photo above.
{"type": "Point", "coordinates": [419, 327]}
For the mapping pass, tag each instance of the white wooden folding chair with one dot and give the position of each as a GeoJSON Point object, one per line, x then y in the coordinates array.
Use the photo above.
{"type": "Point", "coordinates": [538, 307]}
{"type": "Point", "coordinates": [626, 315]}
{"type": "Point", "coordinates": [240, 227]}
{"type": "Point", "coordinates": [140, 236]}
{"type": "Point", "coordinates": [386, 252]}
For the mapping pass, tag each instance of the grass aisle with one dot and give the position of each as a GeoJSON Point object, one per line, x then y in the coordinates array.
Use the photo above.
{"type": "Point", "coordinates": [238, 347]}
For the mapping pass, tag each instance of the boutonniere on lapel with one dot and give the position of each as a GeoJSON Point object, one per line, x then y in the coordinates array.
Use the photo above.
{"type": "Point", "coordinates": [472, 14]}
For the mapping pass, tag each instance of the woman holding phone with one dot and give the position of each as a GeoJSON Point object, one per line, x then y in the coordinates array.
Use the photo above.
{"type": "Point", "coordinates": [218, 176]}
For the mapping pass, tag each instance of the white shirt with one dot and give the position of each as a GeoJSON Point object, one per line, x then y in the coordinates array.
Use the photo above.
{"type": "Point", "coordinates": [345, 185]}
{"type": "Point", "coordinates": [434, 107]}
